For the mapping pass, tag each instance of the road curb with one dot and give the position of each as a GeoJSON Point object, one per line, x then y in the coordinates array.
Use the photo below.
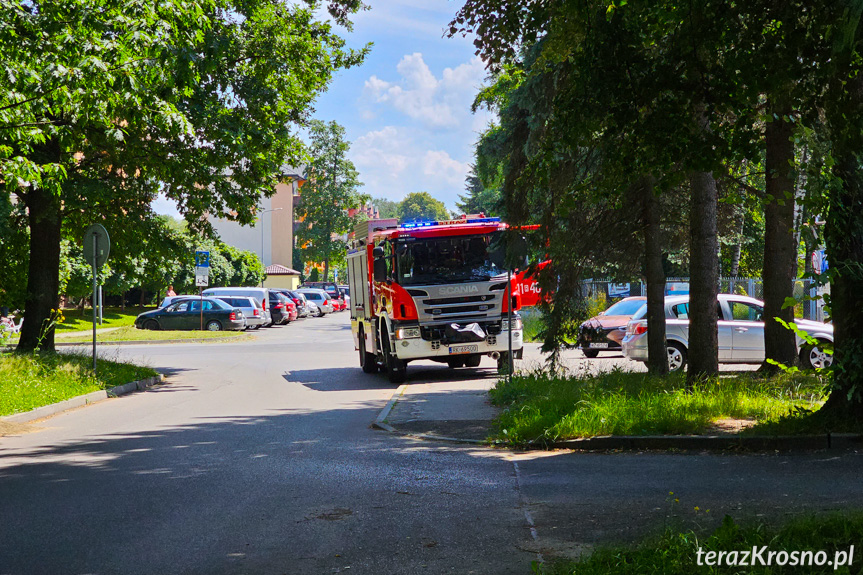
{"type": "Point", "coordinates": [382, 416]}
{"type": "Point", "coordinates": [81, 400]}
{"type": "Point", "coordinates": [709, 442]}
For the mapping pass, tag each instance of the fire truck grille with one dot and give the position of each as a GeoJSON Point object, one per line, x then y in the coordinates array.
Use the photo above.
{"type": "Point", "coordinates": [439, 305]}
{"type": "Point", "coordinates": [460, 309]}
{"type": "Point", "coordinates": [455, 300]}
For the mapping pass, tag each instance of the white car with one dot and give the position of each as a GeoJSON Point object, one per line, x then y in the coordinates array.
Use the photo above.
{"type": "Point", "coordinates": [741, 333]}
{"type": "Point", "coordinates": [318, 297]}
{"type": "Point", "coordinates": [314, 310]}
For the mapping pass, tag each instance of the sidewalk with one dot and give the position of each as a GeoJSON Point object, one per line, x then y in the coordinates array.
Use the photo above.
{"type": "Point", "coordinates": [62, 334]}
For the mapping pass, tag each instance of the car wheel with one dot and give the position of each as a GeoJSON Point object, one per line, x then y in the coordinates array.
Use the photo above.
{"type": "Point", "coordinates": [590, 353]}
{"type": "Point", "coordinates": [151, 324]}
{"type": "Point", "coordinates": [396, 369]}
{"type": "Point", "coordinates": [473, 361]}
{"type": "Point", "coordinates": [368, 361]}
{"type": "Point", "coordinates": [676, 356]}
{"type": "Point", "coordinates": [214, 325]}
{"type": "Point", "coordinates": [814, 357]}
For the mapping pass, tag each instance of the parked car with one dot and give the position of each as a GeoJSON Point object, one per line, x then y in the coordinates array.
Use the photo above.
{"type": "Point", "coordinates": [172, 298]}
{"type": "Point", "coordinates": [314, 310]}
{"type": "Point", "coordinates": [330, 287]}
{"type": "Point", "coordinates": [320, 298]}
{"type": "Point", "coordinates": [283, 309]}
{"type": "Point", "coordinates": [250, 307]}
{"type": "Point", "coordinates": [262, 295]}
{"type": "Point", "coordinates": [605, 331]}
{"type": "Point", "coordinates": [187, 314]}
{"type": "Point", "coordinates": [741, 333]}
{"type": "Point", "coordinates": [300, 301]}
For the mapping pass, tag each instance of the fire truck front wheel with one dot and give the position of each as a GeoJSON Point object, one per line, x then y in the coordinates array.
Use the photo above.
{"type": "Point", "coordinates": [396, 368]}
{"type": "Point", "coordinates": [368, 361]}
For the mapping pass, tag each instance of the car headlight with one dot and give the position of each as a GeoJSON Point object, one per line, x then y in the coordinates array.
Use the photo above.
{"type": "Point", "coordinates": [516, 324]}
{"type": "Point", "coordinates": [407, 332]}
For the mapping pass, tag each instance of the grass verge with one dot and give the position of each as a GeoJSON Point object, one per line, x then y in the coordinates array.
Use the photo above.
{"type": "Point", "coordinates": [75, 320]}
{"type": "Point", "coordinates": [28, 381]}
{"type": "Point", "coordinates": [539, 407]}
{"type": "Point", "coordinates": [676, 552]}
{"type": "Point", "coordinates": [131, 333]}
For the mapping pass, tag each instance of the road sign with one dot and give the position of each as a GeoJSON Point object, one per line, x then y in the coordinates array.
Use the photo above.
{"type": "Point", "coordinates": [96, 241]}
{"type": "Point", "coordinates": [202, 277]}
{"type": "Point", "coordinates": [202, 259]}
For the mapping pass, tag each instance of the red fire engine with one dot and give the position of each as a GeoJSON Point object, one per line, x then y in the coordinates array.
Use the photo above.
{"type": "Point", "coordinates": [434, 290]}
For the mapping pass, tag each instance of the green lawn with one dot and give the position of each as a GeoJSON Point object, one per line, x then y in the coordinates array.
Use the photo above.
{"type": "Point", "coordinates": [28, 381]}
{"type": "Point", "coordinates": [111, 317]}
{"type": "Point", "coordinates": [131, 333]}
{"type": "Point", "coordinates": [676, 551]}
{"type": "Point", "coordinates": [543, 408]}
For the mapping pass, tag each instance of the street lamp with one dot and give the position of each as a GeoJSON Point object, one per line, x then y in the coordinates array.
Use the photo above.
{"type": "Point", "coordinates": [262, 240]}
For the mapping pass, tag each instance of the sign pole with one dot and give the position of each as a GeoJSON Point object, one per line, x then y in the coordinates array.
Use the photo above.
{"type": "Point", "coordinates": [201, 291]}
{"type": "Point", "coordinates": [95, 281]}
{"type": "Point", "coordinates": [509, 319]}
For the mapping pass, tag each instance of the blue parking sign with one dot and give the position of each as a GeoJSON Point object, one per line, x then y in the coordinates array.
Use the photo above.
{"type": "Point", "coordinates": [202, 259]}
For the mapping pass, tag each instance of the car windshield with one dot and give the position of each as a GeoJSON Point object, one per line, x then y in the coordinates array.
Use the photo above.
{"type": "Point", "coordinates": [446, 260]}
{"type": "Point", "coordinates": [625, 307]}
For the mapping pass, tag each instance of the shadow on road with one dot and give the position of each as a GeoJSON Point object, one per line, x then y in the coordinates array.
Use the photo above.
{"type": "Point", "coordinates": [338, 379]}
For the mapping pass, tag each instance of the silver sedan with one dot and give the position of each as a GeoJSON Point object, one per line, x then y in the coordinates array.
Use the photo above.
{"type": "Point", "coordinates": [741, 333]}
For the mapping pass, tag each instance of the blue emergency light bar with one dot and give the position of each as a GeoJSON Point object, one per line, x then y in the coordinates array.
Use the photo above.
{"type": "Point", "coordinates": [431, 223]}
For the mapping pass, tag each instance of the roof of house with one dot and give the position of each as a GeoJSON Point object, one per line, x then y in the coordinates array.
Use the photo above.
{"type": "Point", "coordinates": [280, 270]}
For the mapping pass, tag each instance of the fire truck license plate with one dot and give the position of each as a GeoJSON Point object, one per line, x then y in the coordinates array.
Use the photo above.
{"type": "Point", "coordinates": [463, 349]}
{"type": "Point", "coordinates": [599, 345]}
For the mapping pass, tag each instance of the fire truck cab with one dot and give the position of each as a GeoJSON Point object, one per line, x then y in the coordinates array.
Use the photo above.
{"type": "Point", "coordinates": [431, 290]}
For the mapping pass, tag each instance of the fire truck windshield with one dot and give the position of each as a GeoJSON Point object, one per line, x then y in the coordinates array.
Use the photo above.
{"type": "Point", "coordinates": [454, 259]}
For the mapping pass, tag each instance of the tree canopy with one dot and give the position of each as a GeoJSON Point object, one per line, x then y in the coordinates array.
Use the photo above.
{"type": "Point", "coordinates": [421, 206]}
{"type": "Point", "coordinates": [331, 189]}
{"type": "Point", "coordinates": [110, 103]}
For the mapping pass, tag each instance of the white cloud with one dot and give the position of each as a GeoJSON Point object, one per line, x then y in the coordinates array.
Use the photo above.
{"type": "Point", "coordinates": [439, 164]}
{"type": "Point", "coordinates": [395, 161]}
{"type": "Point", "coordinates": [435, 102]}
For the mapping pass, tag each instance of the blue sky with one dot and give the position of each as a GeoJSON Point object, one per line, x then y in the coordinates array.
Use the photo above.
{"type": "Point", "coordinates": [406, 110]}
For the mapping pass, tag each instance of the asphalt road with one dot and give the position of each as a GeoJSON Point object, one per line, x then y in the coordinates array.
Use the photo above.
{"type": "Point", "coordinates": [257, 457]}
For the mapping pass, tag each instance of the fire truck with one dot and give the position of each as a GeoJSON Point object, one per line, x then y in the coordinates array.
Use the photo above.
{"type": "Point", "coordinates": [434, 290]}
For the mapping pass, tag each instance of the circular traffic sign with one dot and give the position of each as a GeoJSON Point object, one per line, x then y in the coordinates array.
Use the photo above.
{"type": "Point", "coordinates": [96, 237]}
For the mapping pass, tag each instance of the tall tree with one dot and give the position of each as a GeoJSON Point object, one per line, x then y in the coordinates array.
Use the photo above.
{"type": "Point", "coordinates": [386, 208]}
{"type": "Point", "coordinates": [422, 206]}
{"type": "Point", "coordinates": [109, 102]}
{"type": "Point", "coordinates": [330, 191]}
{"type": "Point", "coordinates": [479, 198]}
{"type": "Point", "coordinates": [843, 108]}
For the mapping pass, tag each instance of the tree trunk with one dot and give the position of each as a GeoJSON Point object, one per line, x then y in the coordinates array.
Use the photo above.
{"type": "Point", "coordinates": [326, 268]}
{"type": "Point", "coordinates": [657, 362]}
{"type": "Point", "coordinates": [780, 251]}
{"type": "Point", "coordinates": [844, 239]}
{"type": "Point", "coordinates": [703, 279]}
{"type": "Point", "coordinates": [43, 279]}
{"type": "Point", "coordinates": [738, 247]}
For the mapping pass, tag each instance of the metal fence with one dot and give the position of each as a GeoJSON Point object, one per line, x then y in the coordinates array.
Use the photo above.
{"type": "Point", "coordinates": [806, 291]}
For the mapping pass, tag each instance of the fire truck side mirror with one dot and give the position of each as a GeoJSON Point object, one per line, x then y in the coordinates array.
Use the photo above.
{"type": "Point", "coordinates": [380, 269]}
